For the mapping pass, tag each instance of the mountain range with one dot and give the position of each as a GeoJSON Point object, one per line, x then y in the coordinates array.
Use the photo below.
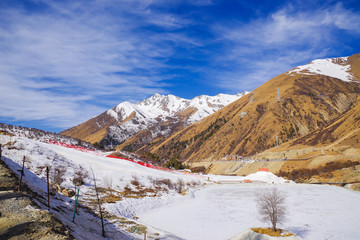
{"type": "Point", "coordinates": [155, 117]}
{"type": "Point", "coordinates": [311, 105]}
{"type": "Point", "coordinates": [288, 106]}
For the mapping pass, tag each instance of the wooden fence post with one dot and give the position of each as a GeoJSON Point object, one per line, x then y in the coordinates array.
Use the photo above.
{"type": "Point", "coordinates": [21, 174]}
{"type": "Point", "coordinates": [98, 200]}
{"type": "Point", "coordinates": [0, 151]}
{"type": "Point", "coordinates": [48, 188]}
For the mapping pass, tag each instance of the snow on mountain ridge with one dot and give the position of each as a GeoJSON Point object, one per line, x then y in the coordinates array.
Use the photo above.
{"type": "Point", "coordinates": [333, 67]}
{"type": "Point", "coordinates": [168, 106]}
{"type": "Point", "coordinates": [159, 109]}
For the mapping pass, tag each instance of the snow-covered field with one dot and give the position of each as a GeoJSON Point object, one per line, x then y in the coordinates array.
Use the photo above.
{"type": "Point", "coordinates": [223, 211]}
{"type": "Point", "coordinates": [210, 211]}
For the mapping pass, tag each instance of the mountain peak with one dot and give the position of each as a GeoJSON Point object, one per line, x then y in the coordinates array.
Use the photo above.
{"type": "Point", "coordinates": [159, 114]}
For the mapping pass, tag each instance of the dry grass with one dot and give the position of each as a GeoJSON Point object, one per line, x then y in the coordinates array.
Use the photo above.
{"type": "Point", "coordinates": [113, 198]}
{"type": "Point", "coordinates": [270, 232]}
{"type": "Point", "coordinates": [326, 171]}
{"type": "Point", "coordinates": [140, 229]}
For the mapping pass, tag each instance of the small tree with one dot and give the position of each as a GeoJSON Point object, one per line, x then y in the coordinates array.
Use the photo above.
{"type": "Point", "coordinates": [107, 182]}
{"type": "Point", "coordinates": [271, 206]}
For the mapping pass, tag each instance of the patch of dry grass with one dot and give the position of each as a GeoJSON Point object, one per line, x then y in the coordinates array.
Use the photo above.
{"type": "Point", "coordinates": [271, 232]}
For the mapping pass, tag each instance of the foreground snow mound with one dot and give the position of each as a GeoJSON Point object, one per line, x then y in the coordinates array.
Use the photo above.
{"type": "Point", "coordinates": [265, 177]}
{"type": "Point", "coordinates": [251, 235]}
{"type": "Point", "coordinates": [259, 177]}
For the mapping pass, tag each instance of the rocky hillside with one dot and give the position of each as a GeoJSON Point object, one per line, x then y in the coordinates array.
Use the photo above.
{"type": "Point", "coordinates": [20, 217]}
{"type": "Point", "coordinates": [289, 106]}
{"type": "Point", "coordinates": [157, 116]}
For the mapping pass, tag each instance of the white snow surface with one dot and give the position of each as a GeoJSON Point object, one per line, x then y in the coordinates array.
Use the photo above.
{"type": "Point", "coordinates": [214, 211]}
{"type": "Point", "coordinates": [333, 67]}
{"type": "Point", "coordinates": [119, 172]}
{"type": "Point", "coordinates": [224, 211]}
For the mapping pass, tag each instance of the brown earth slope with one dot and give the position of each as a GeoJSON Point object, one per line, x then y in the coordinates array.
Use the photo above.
{"type": "Point", "coordinates": [93, 130]}
{"type": "Point", "coordinates": [251, 125]}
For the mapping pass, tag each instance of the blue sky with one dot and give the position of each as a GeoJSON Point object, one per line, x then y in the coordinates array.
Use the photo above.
{"type": "Point", "coordinates": [63, 62]}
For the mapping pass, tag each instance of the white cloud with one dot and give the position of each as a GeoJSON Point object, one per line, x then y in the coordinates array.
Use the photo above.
{"type": "Point", "coordinates": [63, 64]}
{"type": "Point", "coordinates": [272, 45]}
{"type": "Point", "coordinates": [69, 60]}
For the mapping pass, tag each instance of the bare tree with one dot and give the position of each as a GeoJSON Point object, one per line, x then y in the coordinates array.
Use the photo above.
{"type": "Point", "coordinates": [107, 182]}
{"type": "Point", "coordinates": [271, 206]}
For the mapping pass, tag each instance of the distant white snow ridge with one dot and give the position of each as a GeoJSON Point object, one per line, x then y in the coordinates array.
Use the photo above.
{"type": "Point", "coordinates": [133, 118]}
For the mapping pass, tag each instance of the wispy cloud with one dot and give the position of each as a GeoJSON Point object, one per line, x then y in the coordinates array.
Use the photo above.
{"type": "Point", "coordinates": [62, 64]}
{"type": "Point", "coordinates": [268, 46]}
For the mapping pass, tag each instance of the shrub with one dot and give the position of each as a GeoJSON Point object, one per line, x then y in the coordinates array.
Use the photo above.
{"type": "Point", "coordinates": [180, 186]}
{"type": "Point", "coordinates": [79, 178]}
{"type": "Point", "coordinates": [166, 182]}
{"type": "Point", "coordinates": [58, 176]}
{"type": "Point", "coordinates": [174, 163]}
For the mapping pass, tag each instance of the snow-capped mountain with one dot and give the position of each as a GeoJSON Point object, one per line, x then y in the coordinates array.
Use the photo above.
{"type": "Point", "coordinates": [161, 107]}
{"type": "Point", "coordinates": [292, 105]}
{"type": "Point", "coordinates": [160, 114]}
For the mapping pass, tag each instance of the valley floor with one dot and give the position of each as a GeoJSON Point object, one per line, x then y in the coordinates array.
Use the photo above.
{"type": "Point", "coordinates": [222, 211]}
{"type": "Point", "coordinates": [205, 208]}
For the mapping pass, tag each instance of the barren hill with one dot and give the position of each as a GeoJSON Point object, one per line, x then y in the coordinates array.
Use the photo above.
{"type": "Point", "coordinates": [289, 106]}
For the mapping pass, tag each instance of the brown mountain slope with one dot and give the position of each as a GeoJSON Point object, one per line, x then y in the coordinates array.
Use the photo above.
{"type": "Point", "coordinates": [93, 130]}
{"type": "Point", "coordinates": [142, 122]}
{"type": "Point", "coordinates": [345, 131]}
{"type": "Point", "coordinates": [355, 65]}
{"type": "Point", "coordinates": [251, 124]}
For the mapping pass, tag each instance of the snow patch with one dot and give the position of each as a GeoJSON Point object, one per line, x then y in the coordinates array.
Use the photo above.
{"type": "Point", "coordinates": [112, 113]}
{"type": "Point", "coordinates": [262, 177]}
{"type": "Point", "coordinates": [333, 67]}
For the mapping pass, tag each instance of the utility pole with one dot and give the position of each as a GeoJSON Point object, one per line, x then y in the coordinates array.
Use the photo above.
{"type": "Point", "coordinates": [252, 96]}
{"type": "Point", "coordinates": [278, 95]}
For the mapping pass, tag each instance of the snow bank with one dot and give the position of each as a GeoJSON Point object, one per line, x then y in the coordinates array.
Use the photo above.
{"type": "Point", "coordinates": [262, 177]}
{"type": "Point", "coordinates": [267, 177]}
{"type": "Point", "coordinates": [251, 235]}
